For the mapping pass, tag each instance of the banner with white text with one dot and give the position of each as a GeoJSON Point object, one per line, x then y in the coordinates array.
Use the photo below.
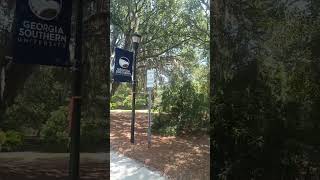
{"type": "Point", "coordinates": [42, 32]}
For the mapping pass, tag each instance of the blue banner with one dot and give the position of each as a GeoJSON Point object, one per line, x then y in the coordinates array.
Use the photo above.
{"type": "Point", "coordinates": [123, 65]}
{"type": "Point", "coordinates": [42, 32]}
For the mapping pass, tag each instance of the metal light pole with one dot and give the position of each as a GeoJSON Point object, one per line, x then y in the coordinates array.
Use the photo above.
{"type": "Point", "coordinates": [76, 100]}
{"type": "Point", "coordinates": [135, 42]}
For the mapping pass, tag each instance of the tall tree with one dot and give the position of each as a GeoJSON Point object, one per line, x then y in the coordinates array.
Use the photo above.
{"type": "Point", "coordinates": [263, 88]}
{"type": "Point", "coordinates": [165, 26]}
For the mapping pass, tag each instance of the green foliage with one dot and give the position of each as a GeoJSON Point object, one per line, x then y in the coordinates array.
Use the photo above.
{"type": "Point", "coordinates": [36, 106]}
{"type": "Point", "coordinates": [265, 91]}
{"type": "Point", "coordinates": [168, 131]}
{"type": "Point", "coordinates": [126, 103]}
{"type": "Point", "coordinates": [187, 109]}
{"type": "Point", "coordinates": [141, 102]}
{"type": "Point", "coordinates": [122, 99]}
{"type": "Point", "coordinates": [169, 44]}
{"type": "Point", "coordinates": [93, 134]}
{"type": "Point", "coordinates": [43, 92]}
{"type": "Point", "coordinates": [172, 32]}
{"type": "Point", "coordinates": [2, 138]}
{"type": "Point", "coordinates": [11, 141]}
{"type": "Point", "coordinates": [163, 125]}
{"type": "Point", "coordinates": [55, 137]}
{"type": "Point", "coordinates": [54, 132]}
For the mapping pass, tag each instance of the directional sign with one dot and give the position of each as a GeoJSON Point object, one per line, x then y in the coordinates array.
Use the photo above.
{"type": "Point", "coordinates": [150, 78]}
{"type": "Point", "coordinates": [42, 32]}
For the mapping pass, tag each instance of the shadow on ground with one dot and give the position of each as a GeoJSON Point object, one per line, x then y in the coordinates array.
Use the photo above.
{"type": "Point", "coordinates": [178, 158]}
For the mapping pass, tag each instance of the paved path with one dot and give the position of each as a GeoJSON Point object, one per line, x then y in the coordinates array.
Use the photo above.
{"type": "Point", "coordinates": [124, 168]}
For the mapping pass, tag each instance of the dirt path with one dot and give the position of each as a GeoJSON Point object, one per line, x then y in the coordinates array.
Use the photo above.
{"type": "Point", "coordinates": [178, 158]}
{"type": "Point", "coordinates": [51, 166]}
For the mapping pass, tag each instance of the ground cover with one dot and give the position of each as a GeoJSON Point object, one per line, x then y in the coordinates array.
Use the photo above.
{"type": "Point", "coordinates": [177, 157]}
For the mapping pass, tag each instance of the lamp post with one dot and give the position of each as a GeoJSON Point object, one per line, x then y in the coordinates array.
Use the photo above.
{"type": "Point", "coordinates": [135, 43]}
{"type": "Point", "coordinates": [76, 100]}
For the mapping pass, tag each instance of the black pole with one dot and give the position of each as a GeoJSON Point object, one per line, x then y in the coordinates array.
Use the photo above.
{"type": "Point", "coordinates": [76, 100]}
{"type": "Point", "coordinates": [133, 116]}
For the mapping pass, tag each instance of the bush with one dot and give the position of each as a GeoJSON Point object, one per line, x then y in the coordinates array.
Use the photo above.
{"type": "Point", "coordinates": [93, 135]}
{"type": "Point", "coordinates": [126, 103]}
{"type": "Point", "coordinates": [54, 133]}
{"type": "Point", "coordinates": [12, 140]}
{"type": "Point", "coordinates": [168, 131]}
{"type": "Point", "coordinates": [187, 110]}
{"type": "Point", "coordinates": [2, 139]}
{"type": "Point", "coordinates": [122, 99]}
{"type": "Point", "coordinates": [162, 124]}
{"type": "Point", "coordinates": [113, 105]}
{"type": "Point", "coordinates": [141, 102]}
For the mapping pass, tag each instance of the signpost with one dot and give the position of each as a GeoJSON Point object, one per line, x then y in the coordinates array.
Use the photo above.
{"type": "Point", "coordinates": [76, 99]}
{"type": "Point", "coordinates": [42, 32]}
{"type": "Point", "coordinates": [150, 83]}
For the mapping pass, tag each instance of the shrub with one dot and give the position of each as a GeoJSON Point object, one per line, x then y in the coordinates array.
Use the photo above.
{"type": "Point", "coordinates": [126, 103]}
{"type": "Point", "coordinates": [113, 105]}
{"type": "Point", "coordinates": [2, 139]}
{"type": "Point", "coordinates": [122, 99]}
{"type": "Point", "coordinates": [162, 124]}
{"type": "Point", "coordinates": [141, 102]}
{"type": "Point", "coordinates": [54, 133]}
{"type": "Point", "coordinates": [168, 131]}
{"type": "Point", "coordinates": [13, 140]}
{"type": "Point", "coordinates": [187, 110]}
{"type": "Point", "coordinates": [93, 134]}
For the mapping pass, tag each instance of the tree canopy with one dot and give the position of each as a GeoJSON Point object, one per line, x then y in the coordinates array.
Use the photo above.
{"type": "Point", "coordinates": [264, 89]}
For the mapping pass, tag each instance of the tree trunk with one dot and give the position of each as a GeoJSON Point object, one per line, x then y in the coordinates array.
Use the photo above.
{"type": "Point", "coordinates": [15, 75]}
{"type": "Point", "coordinates": [216, 35]}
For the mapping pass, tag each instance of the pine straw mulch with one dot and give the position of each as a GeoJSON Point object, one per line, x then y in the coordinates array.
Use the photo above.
{"type": "Point", "coordinates": [175, 157]}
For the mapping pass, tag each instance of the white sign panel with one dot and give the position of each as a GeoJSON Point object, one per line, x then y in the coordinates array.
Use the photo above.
{"type": "Point", "coordinates": [150, 78]}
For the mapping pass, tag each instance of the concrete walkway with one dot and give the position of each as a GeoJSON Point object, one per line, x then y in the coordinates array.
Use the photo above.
{"type": "Point", "coordinates": [124, 168]}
